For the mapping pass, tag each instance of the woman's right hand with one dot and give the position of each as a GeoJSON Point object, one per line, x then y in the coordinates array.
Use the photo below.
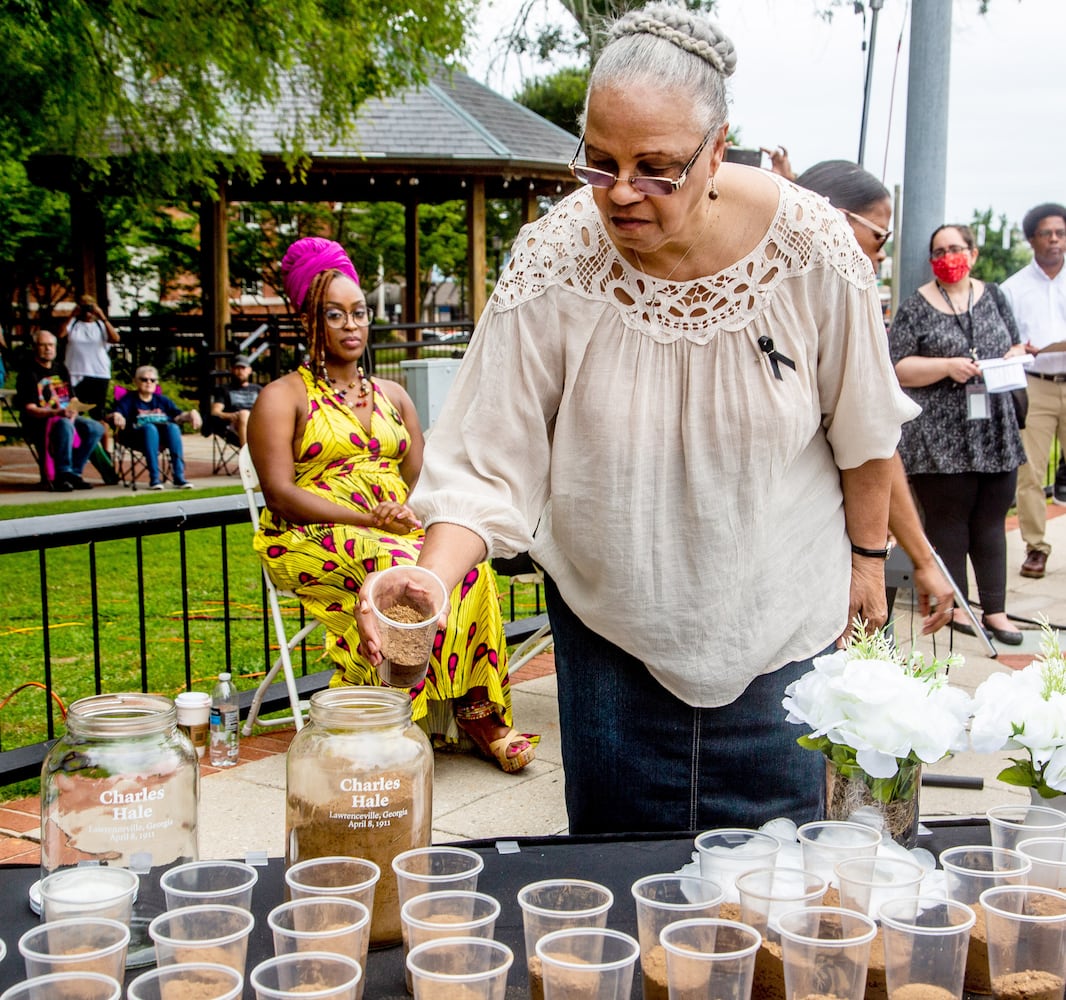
{"type": "Point", "coordinates": [396, 517]}
{"type": "Point", "coordinates": [962, 369]}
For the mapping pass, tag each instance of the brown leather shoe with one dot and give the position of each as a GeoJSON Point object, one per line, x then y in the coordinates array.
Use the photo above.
{"type": "Point", "coordinates": [1035, 564]}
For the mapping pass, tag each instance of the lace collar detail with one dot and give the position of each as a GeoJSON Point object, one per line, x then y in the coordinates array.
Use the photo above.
{"type": "Point", "coordinates": [569, 247]}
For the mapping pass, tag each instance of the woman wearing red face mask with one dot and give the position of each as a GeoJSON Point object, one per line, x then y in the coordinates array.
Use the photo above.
{"type": "Point", "coordinates": [962, 454]}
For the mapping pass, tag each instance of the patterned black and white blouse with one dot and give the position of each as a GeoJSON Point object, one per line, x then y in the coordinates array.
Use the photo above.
{"type": "Point", "coordinates": [941, 439]}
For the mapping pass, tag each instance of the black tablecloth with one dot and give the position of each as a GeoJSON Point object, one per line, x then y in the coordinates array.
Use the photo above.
{"type": "Point", "coordinates": [616, 862]}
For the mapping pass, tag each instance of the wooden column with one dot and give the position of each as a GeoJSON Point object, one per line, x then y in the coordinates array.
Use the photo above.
{"type": "Point", "coordinates": [89, 246]}
{"type": "Point", "coordinates": [412, 266]}
{"type": "Point", "coordinates": [530, 207]}
{"type": "Point", "coordinates": [214, 267]}
{"type": "Point", "coordinates": [475, 248]}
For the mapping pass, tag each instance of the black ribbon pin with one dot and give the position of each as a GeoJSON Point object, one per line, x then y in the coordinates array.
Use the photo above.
{"type": "Point", "coordinates": [766, 345]}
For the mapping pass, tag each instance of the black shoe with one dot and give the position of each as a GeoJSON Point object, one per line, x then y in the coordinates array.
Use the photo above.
{"type": "Point", "coordinates": [1058, 492]}
{"type": "Point", "coordinates": [963, 628]}
{"type": "Point", "coordinates": [77, 483]}
{"type": "Point", "coordinates": [62, 486]}
{"type": "Point", "coordinates": [1009, 637]}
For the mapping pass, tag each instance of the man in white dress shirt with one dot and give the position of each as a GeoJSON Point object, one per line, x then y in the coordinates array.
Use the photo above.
{"type": "Point", "coordinates": [1037, 295]}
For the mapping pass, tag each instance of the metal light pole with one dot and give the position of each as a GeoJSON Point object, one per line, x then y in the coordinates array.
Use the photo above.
{"type": "Point", "coordinates": [875, 10]}
{"type": "Point", "coordinates": [926, 155]}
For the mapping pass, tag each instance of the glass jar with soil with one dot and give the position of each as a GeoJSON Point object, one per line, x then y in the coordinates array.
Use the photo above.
{"type": "Point", "coordinates": [359, 782]}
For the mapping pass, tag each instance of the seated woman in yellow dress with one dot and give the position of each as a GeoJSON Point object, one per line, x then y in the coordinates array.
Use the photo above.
{"type": "Point", "coordinates": [337, 453]}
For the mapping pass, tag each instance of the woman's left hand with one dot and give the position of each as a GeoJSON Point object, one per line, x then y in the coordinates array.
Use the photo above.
{"type": "Point", "coordinates": [1015, 351]}
{"type": "Point", "coordinates": [867, 599]}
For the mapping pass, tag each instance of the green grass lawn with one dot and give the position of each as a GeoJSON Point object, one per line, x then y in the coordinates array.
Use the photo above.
{"type": "Point", "coordinates": [178, 646]}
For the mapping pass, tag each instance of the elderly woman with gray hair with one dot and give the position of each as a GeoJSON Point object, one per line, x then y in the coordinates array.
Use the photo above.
{"type": "Point", "coordinates": [148, 421]}
{"type": "Point", "coordinates": [679, 401]}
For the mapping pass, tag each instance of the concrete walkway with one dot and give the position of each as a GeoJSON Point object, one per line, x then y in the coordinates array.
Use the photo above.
{"type": "Point", "coordinates": [243, 808]}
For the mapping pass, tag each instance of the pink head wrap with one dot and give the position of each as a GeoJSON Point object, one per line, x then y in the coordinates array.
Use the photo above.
{"type": "Point", "coordinates": [308, 257]}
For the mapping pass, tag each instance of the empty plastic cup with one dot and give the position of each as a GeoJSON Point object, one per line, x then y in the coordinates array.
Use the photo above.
{"type": "Point", "coordinates": [467, 967]}
{"type": "Point", "coordinates": [727, 853]}
{"type": "Point", "coordinates": [307, 973]}
{"type": "Point", "coordinates": [89, 891]}
{"type": "Point", "coordinates": [352, 878]}
{"type": "Point", "coordinates": [710, 958]}
{"type": "Point", "coordinates": [1026, 932]}
{"type": "Point", "coordinates": [926, 942]}
{"type": "Point", "coordinates": [972, 868]}
{"type": "Point", "coordinates": [661, 900]}
{"type": "Point", "coordinates": [198, 883]}
{"type": "Point", "coordinates": [1048, 858]}
{"type": "Point", "coordinates": [217, 935]}
{"type": "Point", "coordinates": [204, 980]}
{"type": "Point", "coordinates": [593, 963]}
{"type": "Point", "coordinates": [84, 944]}
{"type": "Point", "coordinates": [436, 869]}
{"type": "Point", "coordinates": [766, 893]}
{"type": "Point", "coordinates": [825, 843]}
{"type": "Point", "coordinates": [866, 883]}
{"type": "Point", "coordinates": [1010, 824]}
{"type": "Point", "coordinates": [65, 986]}
{"type": "Point", "coordinates": [826, 952]}
{"type": "Point", "coordinates": [555, 904]}
{"type": "Point", "coordinates": [407, 601]}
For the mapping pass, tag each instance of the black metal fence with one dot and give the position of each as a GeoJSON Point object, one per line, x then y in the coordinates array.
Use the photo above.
{"type": "Point", "coordinates": [215, 608]}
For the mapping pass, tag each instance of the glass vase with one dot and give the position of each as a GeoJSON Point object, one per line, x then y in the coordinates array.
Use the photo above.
{"type": "Point", "coordinates": [1057, 802]}
{"type": "Point", "coordinates": [890, 803]}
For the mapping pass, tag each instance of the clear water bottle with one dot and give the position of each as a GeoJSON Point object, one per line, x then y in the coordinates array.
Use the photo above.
{"type": "Point", "coordinates": [224, 722]}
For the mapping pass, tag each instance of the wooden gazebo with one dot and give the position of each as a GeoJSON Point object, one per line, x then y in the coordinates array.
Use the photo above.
{"type": "Point", "coordinates": [453, 139]}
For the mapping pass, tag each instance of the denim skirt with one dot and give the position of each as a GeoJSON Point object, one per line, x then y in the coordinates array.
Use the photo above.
{"type": "Point", "coordinates": [636, 758]}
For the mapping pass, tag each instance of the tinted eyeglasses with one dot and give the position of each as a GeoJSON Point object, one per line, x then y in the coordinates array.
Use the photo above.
{"type": "Point", "coordinates": [881, 235]}
{"type": "Point", "coordinates": [146, 378]}
{"type": "Point", "coordinates": [941, 251]}
{"type": "Point", "coordinates": [657, 186]}
{"type": "Point", "coordinates": [336, 319]}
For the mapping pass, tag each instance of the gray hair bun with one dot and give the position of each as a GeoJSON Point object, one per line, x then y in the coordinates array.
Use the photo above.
{"type": "Point", "coordinates": [699, 35]}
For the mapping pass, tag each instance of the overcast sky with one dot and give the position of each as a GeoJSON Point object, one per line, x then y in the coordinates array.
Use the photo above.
{"type": "Point", "coordinates": [799, 84]}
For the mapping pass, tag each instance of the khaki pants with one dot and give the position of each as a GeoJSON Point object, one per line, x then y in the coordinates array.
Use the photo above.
{"type": "Point", "coordinates": [1047, 417]}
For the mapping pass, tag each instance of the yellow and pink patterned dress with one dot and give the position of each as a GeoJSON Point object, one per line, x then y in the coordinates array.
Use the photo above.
{"type": "Point", "coordinates": [325, 564]}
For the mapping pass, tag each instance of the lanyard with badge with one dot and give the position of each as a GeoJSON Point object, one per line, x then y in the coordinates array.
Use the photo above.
{"type": "Point", "coordinates": [976, 392]}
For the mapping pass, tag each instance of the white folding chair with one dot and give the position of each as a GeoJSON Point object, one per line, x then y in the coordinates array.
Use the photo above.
{"type": "Point", "coordinates": [250, 481]}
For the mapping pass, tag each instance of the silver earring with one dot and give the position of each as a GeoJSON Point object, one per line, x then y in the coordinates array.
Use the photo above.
{"type": "Point", "coordinates": [712, 189]}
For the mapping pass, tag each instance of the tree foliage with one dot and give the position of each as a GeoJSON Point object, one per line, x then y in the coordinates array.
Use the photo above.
{"type": "Point", "coordinates": [1003, 250]}
{"type": "Point", "coordinates": [559, 96]}
{"type": "Point", "coordinates": [180, 77]}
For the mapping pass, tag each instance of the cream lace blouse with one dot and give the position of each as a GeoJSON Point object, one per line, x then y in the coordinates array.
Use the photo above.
{"type": "Point", "coordinates": [631, 434]}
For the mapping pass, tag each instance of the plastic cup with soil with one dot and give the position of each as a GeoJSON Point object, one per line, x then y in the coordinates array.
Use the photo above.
{"type": "Point", "coordinates": [195, 979]}
{"type": "Point", "coordinates": [315, 973]}
{"type": "Point", "coordinates": [826, 952]}
{"type": "Point", "coordinates": [708, 957]}
{"type": "Point", "coordinates": [662, 900]}
{"type": "Point", "coordinates": [434, 915]}
{"type": "Point", "coordinates": [66, 986]}
{"type": "Point", "coordinates": [766, 893]}
{"type": "Point", "coordinates": [81, 944]}
{"type": "Point", "coordinates": [593, 963]}
{"type": "Point", "coordinates": [1026, 927]}
{"type": "Point", "coordinates": [925, 942]}
{"type": "Point", "coordinates": [214, 934]}
{"type": "Point", "coordinates": [971, 868]}
{"type": "Point", "coordinates": [1011, 824]}
{"type": "Point", "coordinates": [555, 904]}
{"type": "Point", "coordinates": [322, 923]}
{"type": "Point", "coordinates": [460, 968]}
{"type": "Point", "coordinates": [407, 601]}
